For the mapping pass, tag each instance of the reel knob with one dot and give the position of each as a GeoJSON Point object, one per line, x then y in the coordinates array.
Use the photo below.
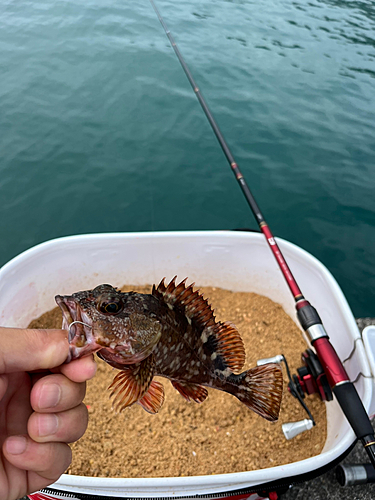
{"type": "Point", "coordinates": [275, 359]}
{"type": "Point", "coordinates": [292, 429]}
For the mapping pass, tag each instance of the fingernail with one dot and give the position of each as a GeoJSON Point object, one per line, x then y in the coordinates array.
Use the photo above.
{"type": "Point", "coordinates": [50, 396]}
{"type": "Point", "coordinates": [47, 424]}
{"type": "Point", "coordinates": [15, 445]}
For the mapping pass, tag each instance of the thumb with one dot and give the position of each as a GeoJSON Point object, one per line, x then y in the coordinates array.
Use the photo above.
{"type": "Point", "coordinates": [27, 350]}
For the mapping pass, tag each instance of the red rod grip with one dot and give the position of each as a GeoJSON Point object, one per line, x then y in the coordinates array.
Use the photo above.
{"type": "Point", "coordinates": [330, 362]}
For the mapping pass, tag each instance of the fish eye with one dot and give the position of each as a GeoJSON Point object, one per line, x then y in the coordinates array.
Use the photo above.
{"type": "Point", "coordinates": [110, 305]}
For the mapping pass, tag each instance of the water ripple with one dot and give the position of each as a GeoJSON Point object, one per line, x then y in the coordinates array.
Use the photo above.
{"type": "Point", "coordinates": [99, 129]}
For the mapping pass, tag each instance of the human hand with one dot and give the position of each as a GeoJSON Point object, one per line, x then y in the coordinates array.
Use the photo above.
{"type": "Point", "coordinates": [41, 408]}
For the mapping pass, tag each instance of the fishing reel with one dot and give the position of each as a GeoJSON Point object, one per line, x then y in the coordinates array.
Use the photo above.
{"type": "Point", "coordinates": [310, 379]}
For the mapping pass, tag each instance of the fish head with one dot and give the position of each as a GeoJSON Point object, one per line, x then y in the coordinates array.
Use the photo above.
{"type": "Point", "coordinates": [121, 326]}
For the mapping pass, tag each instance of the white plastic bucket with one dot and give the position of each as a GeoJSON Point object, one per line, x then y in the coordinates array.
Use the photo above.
{"type": "Point", "coordinates": [238, 261]}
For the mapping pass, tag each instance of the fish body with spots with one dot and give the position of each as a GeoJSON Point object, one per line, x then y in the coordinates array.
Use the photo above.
{"type": "Point", "coordinates": [170, 333]}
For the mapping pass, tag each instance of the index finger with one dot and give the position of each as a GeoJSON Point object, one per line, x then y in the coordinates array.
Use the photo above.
{"type": "Point", "coordinates": [32, 349]}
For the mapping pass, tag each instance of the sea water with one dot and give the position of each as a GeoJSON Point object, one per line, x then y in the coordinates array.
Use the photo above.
{"type": "Point", "coordinates": [100, 130]}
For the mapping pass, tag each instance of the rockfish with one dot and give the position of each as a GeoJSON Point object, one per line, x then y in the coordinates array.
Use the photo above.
{"type": "Point", "coordinates": [171, 333]}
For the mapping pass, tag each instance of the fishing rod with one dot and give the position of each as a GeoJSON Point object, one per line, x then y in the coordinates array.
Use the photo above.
{"type": "Point", "coordinates": [344, 390]}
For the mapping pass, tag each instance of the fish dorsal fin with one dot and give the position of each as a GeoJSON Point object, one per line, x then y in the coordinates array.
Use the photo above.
{"type": "Point", "coordinates": [218, 341]}
{"type": "Point", "coordinates": [190, 302]}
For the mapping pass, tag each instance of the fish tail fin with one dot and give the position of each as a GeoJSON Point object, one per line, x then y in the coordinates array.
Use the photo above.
{"type": "Point", "coordinates": [261, 390]}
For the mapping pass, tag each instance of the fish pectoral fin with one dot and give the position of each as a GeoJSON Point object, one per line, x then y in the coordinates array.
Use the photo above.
{"type": "Point", "coordinates": [190, 392]}
{"type": "Point", "coordinates": [153, 400]}
{"type": "Point", "coordinates": [228, 344]}
{"type": "Point", "coordinates": [261, 390]}
{"type": "Point", "coordinates": [131, 384]}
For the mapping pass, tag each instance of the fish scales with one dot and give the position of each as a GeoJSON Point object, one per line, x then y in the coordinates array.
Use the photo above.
{"type": "Point", "coordinates": [188, 350]}
{"type": "Point", "coordinates": [171, 333]}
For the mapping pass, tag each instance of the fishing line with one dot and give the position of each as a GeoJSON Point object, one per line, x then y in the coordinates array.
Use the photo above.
{"type": "Point", "coordinates": [152, 217]}
{"type": "Point", "coordinates": [344, 390]}
{"type": "Point", "coordinates": [360, 374]}
{"type": "Point", "coordinates": [352, 351]}
{"type": "Point", "coordinates": [152, 204]}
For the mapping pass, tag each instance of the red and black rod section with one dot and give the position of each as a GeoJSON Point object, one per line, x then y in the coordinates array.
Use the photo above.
{"type": "Point", "coordinates": [344, 390]}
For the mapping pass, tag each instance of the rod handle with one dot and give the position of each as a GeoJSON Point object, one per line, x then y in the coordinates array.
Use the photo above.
{"type": "Point", "coordinates": [351, 404]}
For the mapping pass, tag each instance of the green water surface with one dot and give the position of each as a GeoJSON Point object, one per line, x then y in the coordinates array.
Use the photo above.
{"type": "Point", "coordinates": [100, 131]}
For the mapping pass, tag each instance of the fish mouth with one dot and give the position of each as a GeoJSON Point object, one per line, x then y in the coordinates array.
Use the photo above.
{"type": "Point", "coordinates": [79, 326]}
